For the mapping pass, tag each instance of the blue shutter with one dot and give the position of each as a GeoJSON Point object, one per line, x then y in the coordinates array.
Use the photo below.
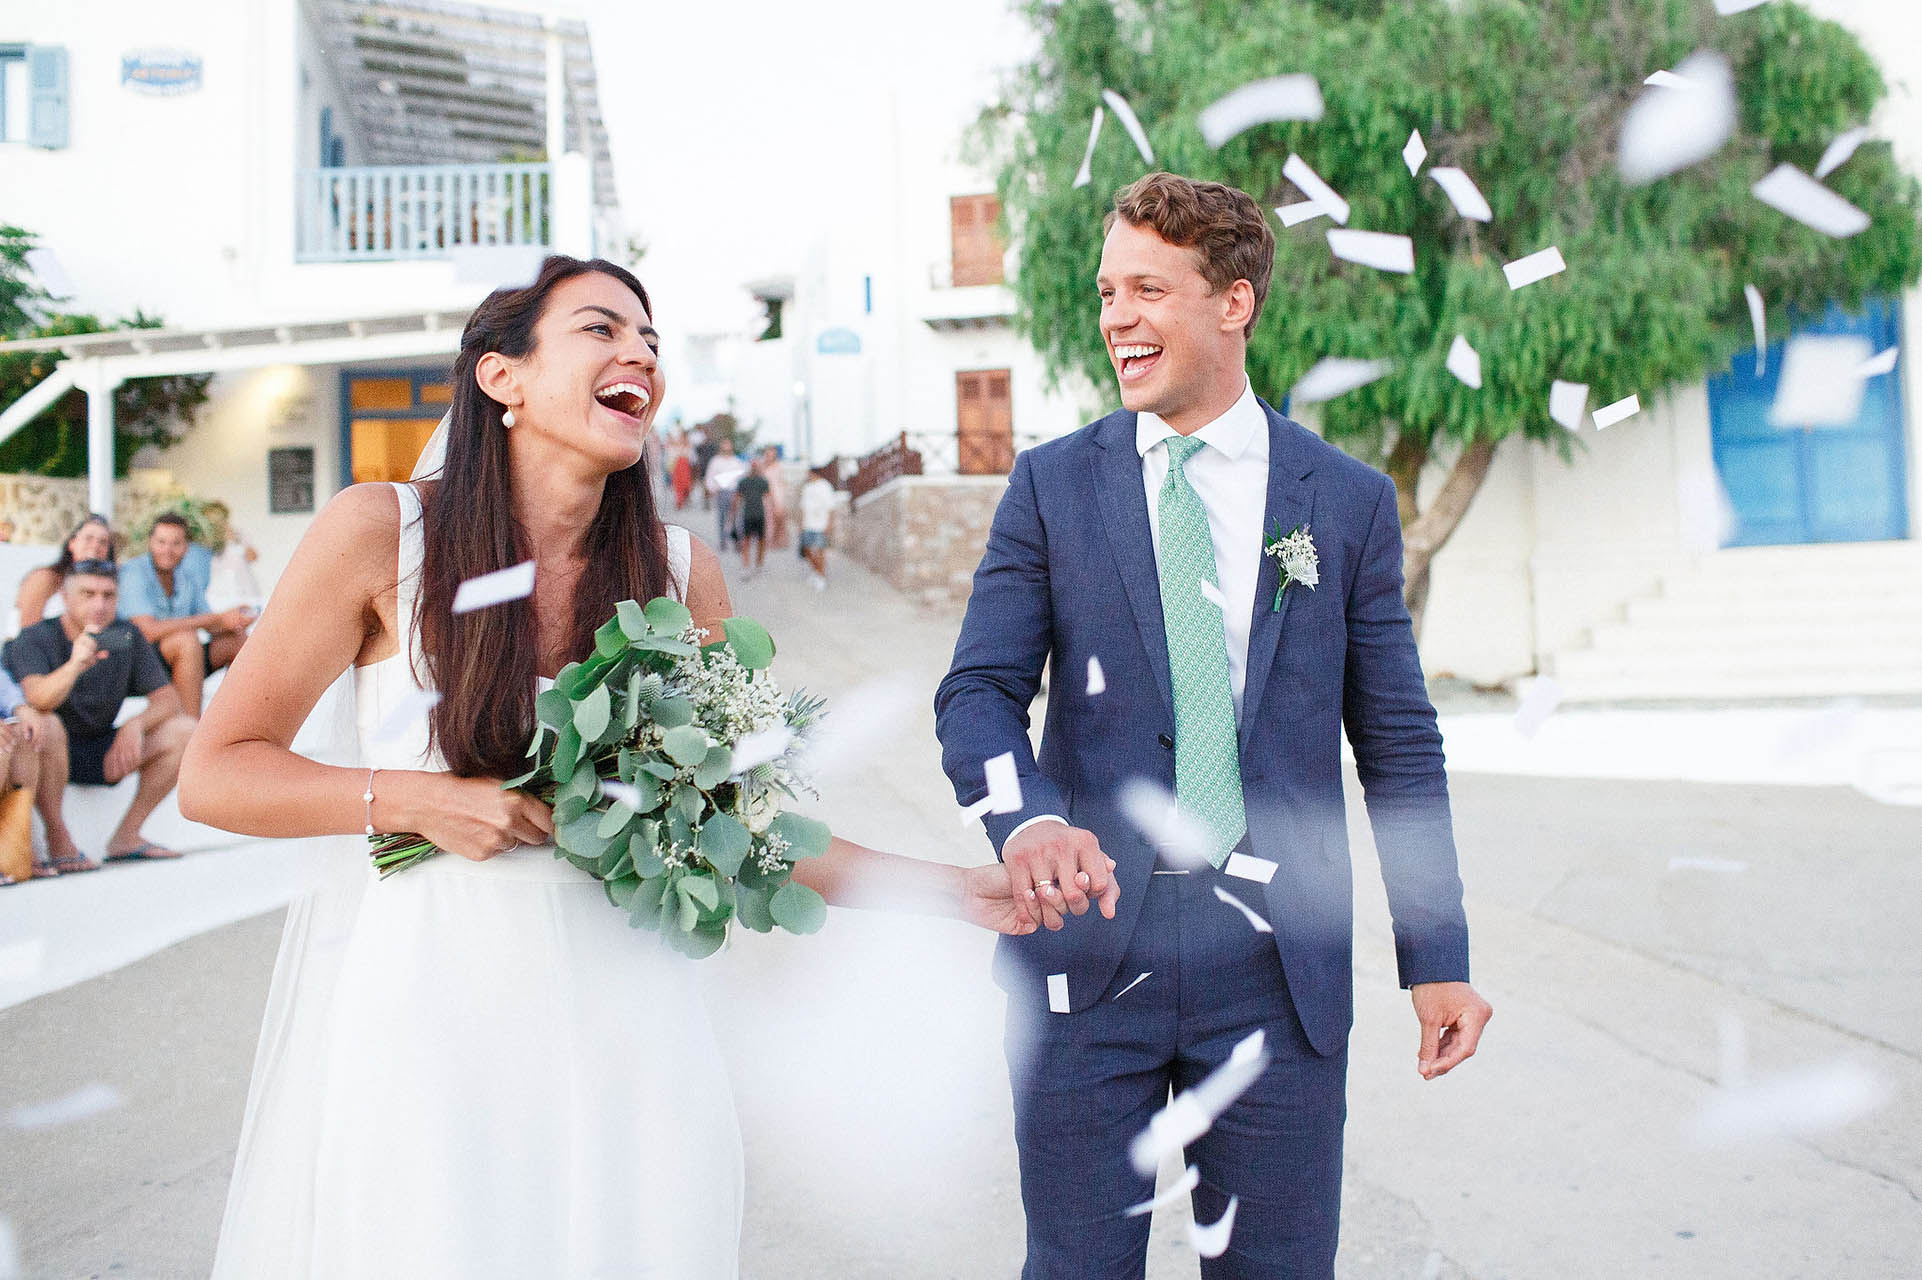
{"type": "Point", "coordinates": [47, 88]}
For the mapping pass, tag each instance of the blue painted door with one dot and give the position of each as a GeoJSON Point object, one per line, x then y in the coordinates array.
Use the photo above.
{"type": "Point", "coordinates": [1820, 484]}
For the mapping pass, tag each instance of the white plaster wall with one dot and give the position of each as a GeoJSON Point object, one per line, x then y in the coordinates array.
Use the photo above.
{"type": "Point", "coordinates": [1479, 622]}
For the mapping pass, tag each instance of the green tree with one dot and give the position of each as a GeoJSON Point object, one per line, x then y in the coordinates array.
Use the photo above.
{"type": "Point", "coordinates": [147, 411]}
{"type": "Point", "coordinates": [1528, 98]}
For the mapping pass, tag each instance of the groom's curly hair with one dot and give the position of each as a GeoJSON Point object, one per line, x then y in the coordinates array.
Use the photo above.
{"type": "Point", "coordinates": [1222, 224]}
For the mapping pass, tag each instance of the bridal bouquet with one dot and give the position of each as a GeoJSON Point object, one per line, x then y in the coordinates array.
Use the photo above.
{"type": "Point", "coordinates": [667, 760]}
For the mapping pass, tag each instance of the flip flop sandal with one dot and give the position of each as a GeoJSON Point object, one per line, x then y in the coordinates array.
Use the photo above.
{"type": "Point", "coordinates": [44, 870]}
{"type": "Point", "coordinates": [74, 865]}
{"type": "Point", "coordinates": [145, 851]}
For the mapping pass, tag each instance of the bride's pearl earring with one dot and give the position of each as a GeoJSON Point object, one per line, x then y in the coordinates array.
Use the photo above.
{"type": "Point", "coordinates": [507, 418]}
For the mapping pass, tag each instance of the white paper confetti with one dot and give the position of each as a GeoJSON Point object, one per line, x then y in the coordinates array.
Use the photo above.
{"type": "Point", "coordinates": [1300, 211]}
{"type": "Point", "coordinates": [763, 746]}
{"type": "Point", "coordinates": [1378, 249]}
{"type": "Point", "coordinates": [1259, 925]}
{"type": "Point", "coordinates": [1758, 320]}
{"type": "Point", "coordinates": [1004, 784]}
{"type": "Point", "coordinates": [1058, 993]}
{"type": "Point", "coordinates": [82, 1104]}
{"type": "Point", "coordinates": [1132, 985]}
{"type": "Point", "coordinates": [1566, 403]}
{"type": "Point", "coordinates": [1462, 193]}
{"type": "Point", "coordinates": [1726, 7]}
{"type": "Point", "coordinates": [1195, 1110]}
{"type": "Point", "coordinates": [1248, 867]}
{"type": "Point", "coordinates": [1414, 152]}
{"type": "Point", "coordinates": [22, 961]}
{"type": "Point", "coordinates": [1097, 679]}
{"type": "Point", "coordinates": [1175, 834]}
{"type": "Point", "coordinates": [1337, 375]}
{"type": "Point", "coordinates": [1821, 383]}
{"type": "Point", "coordinates": [409, 711]}
{"type": "Point", "coordinates": [1540, 695]}
{"type": "Point", "coordinates": [1296, 170]}
{"type": "Point", "coordinates": [1878, 364]}
{"type": "Point", "coordinates": [53, 277]}
{"type": "Point", "coordinates": [1085, 174]}
{"type": "Point", "coordinates": [1212, 594]}
{"type": "Point", "coordinates": [623, 794]}
{"type": "Point", "coordinates": [1211, 1241]}
{"type": "Point", "coordinates": [1536, 266]}
{"type": "Point", "coordinates": [1688, 862]}
{"type": "Point", "coordinates": [1801, 197]}
{"type": "Point", "coordinates": [1465, 362]}
{"type": "Point", "coordinates": [1610, 414]}
{"type": "Point", "coordinates": [1794, 1104]}
{"type": "Point", "coordinates": [1837, 153]}
{"type": "Point", "coordinates": [1683, 120]}
{"type": "Point", "coordinates": [1126, 114]}
{"type": "Point", "coordinates": [1291, 97]}
{"type": "Point", "coordinates": [516, 582]}
{"type": "Point", "coordinates": [1180, 1187]}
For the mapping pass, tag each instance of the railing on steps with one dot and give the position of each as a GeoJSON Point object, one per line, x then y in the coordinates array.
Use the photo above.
{"type": "Point", "coordinates": [389, 212]}
{"type": "Point", "coordinates": [890, 461]}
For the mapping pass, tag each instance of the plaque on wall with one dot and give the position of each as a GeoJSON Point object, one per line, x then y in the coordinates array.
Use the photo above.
{"type": "Point", "coordinates": [290, 480]}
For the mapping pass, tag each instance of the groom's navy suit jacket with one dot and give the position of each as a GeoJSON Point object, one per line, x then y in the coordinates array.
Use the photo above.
{"type": "Point", "coordinates": [1069, 574]}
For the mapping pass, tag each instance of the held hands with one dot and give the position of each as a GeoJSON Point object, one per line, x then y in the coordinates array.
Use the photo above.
{"type": "Point", "coordinates": [129, 745]}
{"type": "Point", "coordinates": [1452, 1016]}
{"type": "Point", "coordinates": [987, 900]}
{"type": "Point", "coordinates": [1053, 869]}
{"type": "Point", "coordinates": [473, 817]}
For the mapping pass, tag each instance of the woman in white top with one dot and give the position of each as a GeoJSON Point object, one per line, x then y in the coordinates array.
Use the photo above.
{"type": "Point", "coordinates": [478, 1068]}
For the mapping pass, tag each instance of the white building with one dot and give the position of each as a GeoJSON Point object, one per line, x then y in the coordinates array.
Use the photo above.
{"type": "Point", "coordinates": [313, 194]}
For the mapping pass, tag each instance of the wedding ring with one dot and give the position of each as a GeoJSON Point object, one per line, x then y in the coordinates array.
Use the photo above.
{"type": "Point", "coordinates": [1044, 884]}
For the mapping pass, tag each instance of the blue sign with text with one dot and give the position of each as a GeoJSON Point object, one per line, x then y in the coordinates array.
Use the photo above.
{"type": "Point", "coordinates": [838, 342]}
{"type": "Point", "coordinates": [164, 72]}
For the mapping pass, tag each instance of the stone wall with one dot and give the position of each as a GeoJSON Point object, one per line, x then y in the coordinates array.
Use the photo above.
{"type": "Point", "coordinates": [924, 534]}
{"type": "Point", "coordinates": [44, 509]}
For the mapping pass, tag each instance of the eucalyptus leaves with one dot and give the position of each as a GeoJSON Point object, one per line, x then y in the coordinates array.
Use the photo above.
{"type": "Point", "coordinates": [667, 761]}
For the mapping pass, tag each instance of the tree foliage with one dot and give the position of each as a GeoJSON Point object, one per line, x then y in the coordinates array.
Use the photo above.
{"type": "Point", "coordinates": [1528, 98]}
{"type": "Point", "coordinates": [147, 411]}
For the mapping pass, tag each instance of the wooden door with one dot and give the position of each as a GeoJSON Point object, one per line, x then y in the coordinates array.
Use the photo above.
{"type": "Point", "coordinates": [984, 423]}
{"type": "Point", "coordinates": [977, 240]}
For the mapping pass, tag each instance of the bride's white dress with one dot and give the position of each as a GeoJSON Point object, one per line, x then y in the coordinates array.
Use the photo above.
{"type": "Point", "coordinates": [478, 1069]}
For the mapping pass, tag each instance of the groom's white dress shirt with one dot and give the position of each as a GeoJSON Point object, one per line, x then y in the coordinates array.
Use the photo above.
{"type": "Point", "coordinates": [1231, 477]}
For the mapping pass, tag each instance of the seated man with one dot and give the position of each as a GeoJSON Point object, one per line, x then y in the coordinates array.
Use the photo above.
{"type": "Point", "coordinates": [164, 593]}
{"type": "Point", "coordinates": [23, 742]}
{"type": "Point", "coordinates": [80, 667]}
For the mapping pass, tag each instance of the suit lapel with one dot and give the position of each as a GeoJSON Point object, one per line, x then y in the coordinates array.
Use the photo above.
{"type": "Point", "coordinates": [1290, 502]}
{"type": "Point", "coordinates": [1123, 500]}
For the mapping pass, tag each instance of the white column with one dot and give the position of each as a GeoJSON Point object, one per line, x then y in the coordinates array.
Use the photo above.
{"type": "Point", "coordinates": [100, 388]}
{"type": "Point", "coordinates": [556, 91]}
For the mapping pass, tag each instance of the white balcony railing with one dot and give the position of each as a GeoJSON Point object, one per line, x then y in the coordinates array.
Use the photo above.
{"type": "Point", "coordinates": [388, 212]}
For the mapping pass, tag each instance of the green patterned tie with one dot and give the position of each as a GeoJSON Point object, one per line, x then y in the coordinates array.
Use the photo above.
{"type": "Point", "coordinates": [1207, 758]}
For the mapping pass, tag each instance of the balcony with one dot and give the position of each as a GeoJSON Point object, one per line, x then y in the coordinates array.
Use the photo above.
{"type": "Point", "coordinates": [948, 307]}
{"type": "Point", "coordinates": [388, 213]}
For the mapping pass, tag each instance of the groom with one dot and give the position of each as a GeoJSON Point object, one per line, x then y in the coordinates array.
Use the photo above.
{"type": "Point", "coordinates": [1132, 558]}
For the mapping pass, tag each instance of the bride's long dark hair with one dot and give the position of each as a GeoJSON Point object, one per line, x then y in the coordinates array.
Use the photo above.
{"type": "Point", "coordinates": [484, 663]}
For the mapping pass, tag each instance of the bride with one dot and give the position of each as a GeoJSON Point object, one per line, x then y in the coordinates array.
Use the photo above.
{"type": "Point", "coordinates": [478, 1068]}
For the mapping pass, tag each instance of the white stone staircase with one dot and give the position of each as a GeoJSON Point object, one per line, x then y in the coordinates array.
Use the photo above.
{"type": "Point", "coordinates": [1762, 622]}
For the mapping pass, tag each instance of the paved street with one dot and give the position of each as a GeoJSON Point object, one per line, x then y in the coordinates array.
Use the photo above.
{"type": "Point", "coordinates": [867, 1063]}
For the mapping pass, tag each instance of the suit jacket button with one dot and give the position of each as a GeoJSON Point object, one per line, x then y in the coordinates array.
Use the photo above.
{"type": "Point", "coordinates": [1165, 741]}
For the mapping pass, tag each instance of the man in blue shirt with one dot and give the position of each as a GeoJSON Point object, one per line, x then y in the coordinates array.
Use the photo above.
{"type": "Point", "coordinates": [162, 594]}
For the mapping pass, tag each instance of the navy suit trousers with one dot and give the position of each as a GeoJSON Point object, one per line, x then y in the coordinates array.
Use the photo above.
{"type": "Point", "coordinates": [1085, 1083]}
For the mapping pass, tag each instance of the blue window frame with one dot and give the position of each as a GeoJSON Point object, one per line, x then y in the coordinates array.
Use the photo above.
{"type": "Point", "coordinates": [1820, 484]}
{"type": "Point", "coordinates": [15, 95]}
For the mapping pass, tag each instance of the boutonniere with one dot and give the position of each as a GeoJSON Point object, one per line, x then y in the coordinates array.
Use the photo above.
{"type": "Point", "coordinates": [1295, 553]}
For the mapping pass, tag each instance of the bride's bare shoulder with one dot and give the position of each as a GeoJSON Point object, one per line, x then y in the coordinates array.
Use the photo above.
{"type": "Point", "coordinates": [356, 536]}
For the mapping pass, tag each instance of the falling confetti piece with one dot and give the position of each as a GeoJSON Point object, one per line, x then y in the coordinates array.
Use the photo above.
{"type": "Point", "coordinates": [1668, 80]}
{"type": "Point", "coordinates": [1795, 1104]}
{"type": "Point", "coordinates": [1684, 862]}
{"type": "Point", "coordinates": [82, 1104]}
{"type": "Point", "coordinates": [1540, 695]}
{"type": "Point", "coordinates": [1378, 249]}
{"type": "Point", "coordinates": [1058, 993]}
{"type": "Point", "coordinates": [1789, 190]}
{"type": "Point", "coordinates": [1337, 375]}
{"type": "Point", "coordinates": [1465, 362]}
{"type": "Point", "coordinates": [1279, 98]}
{"type": "Point", "coordinates": [1837, 153]}
{"type": "Point", "coordinates": [516, 582]}
{"type": "Point", "coordinates": [1097, 680]}
{"type": "Point", "coordinates": [1211, 1241]}
{"type": "Point", "coordinates": [1004, 789]}
{"type": "Point", "coordinates": [1821, 383]}
{"type": "Point", "coordinates": [1175, 834]}
{"type": "Point", "coordinates": [1758, 320]}
{"type": "Point", "coordinates": [1878, 364]}
{"type": "Point", "coordinates": [1462, 193]}
{"type": "Point", "coordinates": [1683, 120]}
{"type": "Point", "coordinates": [1566, 403]}
{"type": "Point", "coordinates": [1132, 985]}
{"type": "Point", "coordinates": [1255, 920]}
{"type": "Point", "coordinates": [1212, 594]}
{"type": "Point", "coordinates": [408, 712]}
{"type": "Point", "coordinates": [1085, 174]}
{"type": "Point", "coordinates": [1414, 153]}
{"type": "Point", "coordinates": [1248, 867]}
{"type": "Point", "coordinates": [1536, 266]}
{"type": "Point", "coordinates": [1126, 114]}
{"type": "Point", "coordinates": [764, 746]}
{"type": "Point", "coordinates": [624, 794]}
{"type": "Point", "coordinates": [1194, 1111]}
{"type": "Point", "coordinates": [1610, 414]}
{"type": "Point", "coordinates": [1300, 211]}
{"type": "Point", "coordinates": [1296, 170]}
{"type": "Point", "coordinates": [1182, 1186]}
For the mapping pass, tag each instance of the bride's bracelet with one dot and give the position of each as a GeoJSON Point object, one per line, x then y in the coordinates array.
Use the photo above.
{"type": "Point", "coordinates": [368, 797]}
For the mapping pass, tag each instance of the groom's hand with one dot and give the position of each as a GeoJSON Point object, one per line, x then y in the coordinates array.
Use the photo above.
{"type": "Point", "coordinates": [1452, 1016]}
{"type": "Point", "coordinates": [1057, 868]}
